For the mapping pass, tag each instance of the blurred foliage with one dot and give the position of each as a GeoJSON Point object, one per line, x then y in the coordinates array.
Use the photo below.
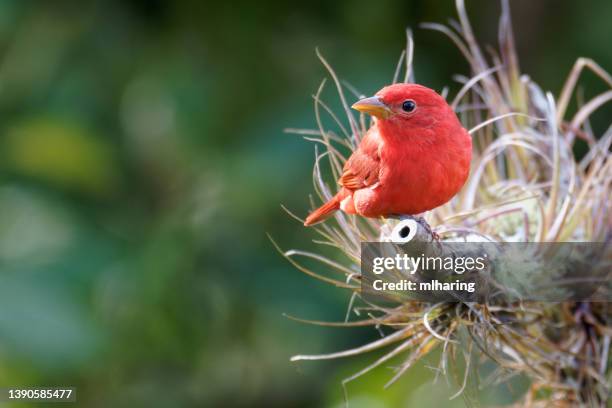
{"type": "Point", "coordinates": [143, 161]}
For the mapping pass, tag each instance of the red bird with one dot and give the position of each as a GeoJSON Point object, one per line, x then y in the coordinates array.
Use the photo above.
{"type": "Point", "coordinates": [415, 157]}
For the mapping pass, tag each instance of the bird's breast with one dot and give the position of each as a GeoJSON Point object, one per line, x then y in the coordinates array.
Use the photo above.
{"type": "Point", "coordinates": [420, 177]}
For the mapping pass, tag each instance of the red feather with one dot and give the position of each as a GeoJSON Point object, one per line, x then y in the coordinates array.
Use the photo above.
{"type": "Point", "coordinates": [408, 162]}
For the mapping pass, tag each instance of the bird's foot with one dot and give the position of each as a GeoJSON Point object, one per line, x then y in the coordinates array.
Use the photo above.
{"type": "Point", "coordinates": [427, 227]}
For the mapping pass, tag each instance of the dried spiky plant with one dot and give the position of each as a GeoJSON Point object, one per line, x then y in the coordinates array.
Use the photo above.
{"type": "Point", "coordinates": [526, 185]}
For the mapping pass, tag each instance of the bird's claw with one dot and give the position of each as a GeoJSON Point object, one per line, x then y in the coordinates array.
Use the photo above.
{"type": "Point", "coordinates": [435, 236]}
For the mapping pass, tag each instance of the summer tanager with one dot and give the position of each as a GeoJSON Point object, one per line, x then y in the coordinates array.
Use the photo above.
{"type": "Point", "coordinates": [414, 158]}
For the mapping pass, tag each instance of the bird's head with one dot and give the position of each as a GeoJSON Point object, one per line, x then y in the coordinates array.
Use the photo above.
{"type": "Point", "coordinates": [404, 108]}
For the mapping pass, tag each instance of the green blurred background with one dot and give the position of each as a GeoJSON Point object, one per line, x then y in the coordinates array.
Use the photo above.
{"type": "Point", "coordinates": [143, 161]}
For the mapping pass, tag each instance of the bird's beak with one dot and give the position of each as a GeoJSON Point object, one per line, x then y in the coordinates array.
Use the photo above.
{"type": "Point", "coordinates": [372, 106]}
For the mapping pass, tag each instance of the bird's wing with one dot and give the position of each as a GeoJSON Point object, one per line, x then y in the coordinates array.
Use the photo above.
{"type": "Point", "coordinates": [363, 167]}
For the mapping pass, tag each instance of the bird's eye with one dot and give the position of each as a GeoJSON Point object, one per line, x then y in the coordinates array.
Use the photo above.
{"type": "Point", "coordinates": [408, 106]}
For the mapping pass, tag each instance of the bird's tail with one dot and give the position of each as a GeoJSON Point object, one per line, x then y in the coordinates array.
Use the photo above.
{"type": "Point", "coordinates": [325, 210]}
